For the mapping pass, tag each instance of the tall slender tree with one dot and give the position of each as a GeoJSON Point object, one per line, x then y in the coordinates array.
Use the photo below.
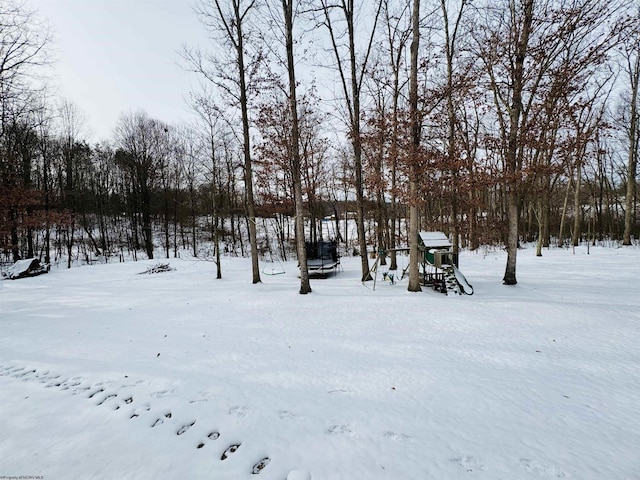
{"type": "Point", "coordinates": [351, 73]}
{"type": "Point", "coordinates": [228, 20]}
{"type": "Point", "coordinates": [210, 120]}
{"type": "Point", "coordinates": [415, 127]}
{"type": "Point", "coordinates": [631, 59]}
{"type": "Point", "coordinates": [288, 14]}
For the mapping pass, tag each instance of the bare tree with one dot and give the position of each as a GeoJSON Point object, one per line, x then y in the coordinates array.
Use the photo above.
{"type": "Point", "coordinates": [23, 52]}
{"type": "Point", "coordinates": [397, 37]}
{"type": "Point", "coordinates": [530, 51]}
{"type": "Point", "coordinates": [229, 22]}
{"type": "Point", "coordinates": [351, 73]}
{"type": "Point", "coordinates": [289, 17]}
{"type": "Point", "coordinates": [143, 148]}
{"type": "Point", "coordinates": [631, 60]}
{"type": "Point", "coordinates": [72, 123]}
{"type": "Point", "coordinates": [47, 151]}
{"type": "Point", "coordinates": [522, 26]}
{"type": "Point", "coordinates": [415, 127]}
{"type": "Point", "coordinates": [210, 120]}
{"type": "Point", "coordinates": [452, 27]}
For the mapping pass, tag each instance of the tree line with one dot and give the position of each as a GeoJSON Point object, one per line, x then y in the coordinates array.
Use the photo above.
{"type": "Point", "coordinates": [496, 122]}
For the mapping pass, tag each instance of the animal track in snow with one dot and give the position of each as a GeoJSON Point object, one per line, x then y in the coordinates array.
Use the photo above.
{"type": "Point", "coordinates": [338, 430]}
{"type": "Point", "coordinates": [544, 471]}
{"type": "Point", "coordinates": [112, 394]}
{"type": "Point", "coordinates": [70, 383]}
{"type": "Point", "coordinates": [54, 384]}
{"type": "Point", "coordinates": [239, 411]}
{"type": "Point", "coordinates": [469, 464]}
{"type": "Point", "coordinates": [183, 429]}
{"type": "Point", "coordinates": [107, 397]}
{"type": "Point", "coordinates": [211, 436]}
{"type": "Point", "coordinates": [91, 395]}
{"type": "Point", "coordinates": [287, 415]}
{"type": "Point", "coordinates": [47, 376]}
{"type": "Point", "coordinates": [139, 411]}
{"type": "Point", "coordinates": [22, 374]}
{"type": "Point", "coordinates": [161, 393]}
{"type": "Point", "coordinates": [258, 467]}
{"type": "Point", "coordinates": [230, 449]}
{"type": "Point", "coordinates": [398, 437]}
{"type": "Point", "coordinates": [160, 420]}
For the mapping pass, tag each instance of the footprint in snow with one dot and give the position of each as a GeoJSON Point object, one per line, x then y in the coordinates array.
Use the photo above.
{"type": "Point", "coordinates": [54, 384]}
{"type": "Point", "coordinates": [238, 411]}
{"type": "Point", "coordinates": [160, 420]}
{"type": "Point", "coordinates": [230, 449]}
{"type": "Point", "coordinates": [70, 383]}
{"type": "Point", "coordinates": [338, 430]}
{"type": "Point", "coordinates": [107, 397]}
{"type": "Point", "coordinates": [258, 467]}
{"type": "Point", "coordinates": [287, 415]}
{"type": "Point", "coordinates": [212, 436]}
{"type": "Point", "coordinates": [161, 393]}
{"type": "Point", "coordinates": [398, 437]}
{"type": "Point", "coordinates": [469, 464]}
{"type": "Point", "coordinates": [139, 411]}
{"type": "Point", "coordinates": [544, 471]}
{"type": "Point", "coordinates": [23, 374]}
{"type": "Point", "coordinates": [94, 393]}
{"type": "Point", "coordinates": [183, 429]}
{"type": "Point", "coordinates": [46, 376]}
{"type": "Point", "coordinates": [125, 401]}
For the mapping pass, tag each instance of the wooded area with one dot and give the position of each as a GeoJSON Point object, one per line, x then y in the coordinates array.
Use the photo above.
{"type": "Point", "coordinates": [497, 122]}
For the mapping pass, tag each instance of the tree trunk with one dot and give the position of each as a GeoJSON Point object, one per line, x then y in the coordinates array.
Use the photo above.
{"type": "Point", "coordinates": [512, 161]}
{"type": "Point", "coordinates": [248, 167]}
{"type": "Point", "coordinates": [414, 272]}
{"type": "Point", "coordinates": [563, 216]}
{"type": "Point", "coordinates": [357, 154]}
{"type": "Point", "coordinates": [147, 231]}
{"type": "Point", "coordinates": [305, 287]}
{"type": "Point", "coordinates": [632, 165]}
{"type": "Point", "coordinates": [352, 99]}
{"type": "Point", "coordinates": [577, 210]}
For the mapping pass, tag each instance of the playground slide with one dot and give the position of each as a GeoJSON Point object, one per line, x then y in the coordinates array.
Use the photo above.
{"type": "Point", "coordinates": [465, 286]}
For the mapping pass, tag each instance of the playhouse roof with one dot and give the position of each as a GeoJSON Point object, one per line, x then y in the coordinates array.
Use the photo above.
{"type": "Point", "coordinates": [434, 240]}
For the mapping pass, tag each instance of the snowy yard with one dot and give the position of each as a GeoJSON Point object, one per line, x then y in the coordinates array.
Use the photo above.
{"type": "Point", "coordinates": [107, 374]}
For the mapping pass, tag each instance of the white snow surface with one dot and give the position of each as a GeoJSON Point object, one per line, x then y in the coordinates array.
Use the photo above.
{"type": "Point", "coordinates": [106, 374]}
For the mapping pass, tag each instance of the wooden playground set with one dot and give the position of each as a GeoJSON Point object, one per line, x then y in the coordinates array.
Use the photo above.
{"type": "Point", "coordinates": [438, 265]}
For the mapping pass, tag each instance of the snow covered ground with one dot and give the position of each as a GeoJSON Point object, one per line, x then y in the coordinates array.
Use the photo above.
{"type": "Point", "coordinates": [108, 374]}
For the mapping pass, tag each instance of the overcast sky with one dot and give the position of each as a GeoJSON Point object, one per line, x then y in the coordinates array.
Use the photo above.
{"type": "Point", "coordinates": [117, 56]}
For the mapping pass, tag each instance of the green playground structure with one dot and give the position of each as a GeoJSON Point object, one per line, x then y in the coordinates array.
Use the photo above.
{"type": "Point", "coordinates": [439, 264]}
